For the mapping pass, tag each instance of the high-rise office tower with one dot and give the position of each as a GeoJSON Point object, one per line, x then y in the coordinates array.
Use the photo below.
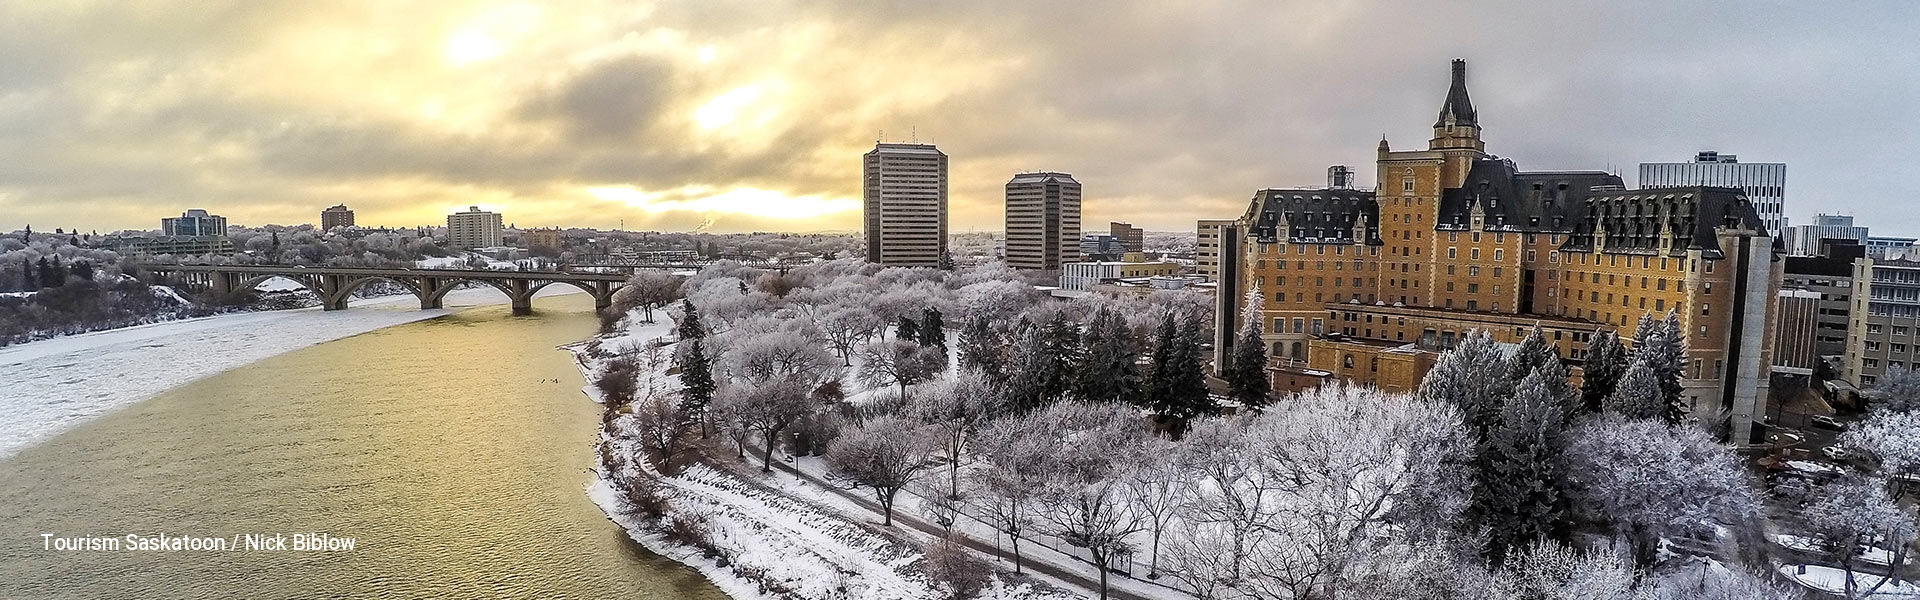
{"type": "Point", "coordinates": [474, 228]}
{"type": "Point", "coordinates": [1132, 239]}
{"type": "Point", "coordinates": [337, 215]}
{"type": "Point", "coordinates": [904, 187]}
{"type": "Point", "coordinates": [1765, 184]}
{"type": "Point", "coordinates": [194, 222]}
{"type": "Point", "coordinates": [1043, 220]}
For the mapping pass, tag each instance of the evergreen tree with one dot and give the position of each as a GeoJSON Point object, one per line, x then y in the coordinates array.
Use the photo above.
{"type": "Point", "coordinates": [946, 261]}
{"type": "Point", "coordinates": [1606, 361]}
{"type": "Point", "coordinates": [696, 378]}
{"type": "Point", "coordinates": [1520, 495]}
{"type": "Point", "coordinates": [690, 327]}
{"type": "Point", "coordinates": [1533, 352]}
{"type": "Point", "coordinates": [907, 331]}
{"type": "Point", "coordinates": [29, 274]}
{"type": "Point", "coordinates": [51, 275]}
{"type": "Point", "coordinates": [1109, 372]}
{"type": "Point", "coordinates": [933, 331]}
{"type": "Point", "coordinates": [1473, 377]}
{"type": "Point", "coordinates": [1668, 361]}
{"type": "Point", "coordinates": [1637, 396]}
{"type": "Point", "coordinates": [980, 349]}
{"type": "Point", "coordinates": [1026, 371]}
{"type": "Point", "coordinates": [1064, 357]}
{"type": "Point", "coordinates": [1247, 380]}
{"type": "Point", "coordinates": [1177, 389]}
{"type": "Point", "coordinates": [82, 269]}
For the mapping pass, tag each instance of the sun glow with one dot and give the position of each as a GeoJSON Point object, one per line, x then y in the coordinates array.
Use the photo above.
{"type": "Point", "coordinates": [724, 108]}
{"type": "Point", "coordinates": [739, 200]}
{"type": "Point", "coordinates": [472, 46]}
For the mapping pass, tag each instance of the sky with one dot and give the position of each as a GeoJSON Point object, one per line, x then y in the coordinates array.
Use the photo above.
{"type": "Point", "coordinates": [728, 115]}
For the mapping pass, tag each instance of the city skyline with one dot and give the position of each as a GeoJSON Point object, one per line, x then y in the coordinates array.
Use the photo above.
{"type": "Point", "coordinates": [669, 118]}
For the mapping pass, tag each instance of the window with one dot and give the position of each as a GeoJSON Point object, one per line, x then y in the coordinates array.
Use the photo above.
{"type": "Point", "coordinates": [1346, 362]}
{"type": "Point", "coordinates": [1703, 309]}
{"type": "Point", "coordinates": [1452, 252]}
{"type": "Point", "coordinates": [1901, 348]}
{"type": "Point", "coordinates": [1473, 271]}
{"type": "Point", "coordinates": [1476, 254]}
{"type": "Point", "coordinates": [1899, 330]}
{"type": "Point", "coordinates": [1499, 254]}
{"type": "Point", "coordinates": [1873, 346]}
{"type": "Point", "coordinates": [1870, 363]}
{"type": "Point", "coordinates": [1299, 325]}
{"type": "Point", "coordinates": [1317, 326]}
{"type": "Point", "coordinates": [1872, 328]}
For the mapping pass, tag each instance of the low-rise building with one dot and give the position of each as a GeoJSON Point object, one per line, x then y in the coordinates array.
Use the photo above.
{"type": "Point", "coordinates": [194, 222]}
{"type": "Point", "coordinates": [1084, 275]}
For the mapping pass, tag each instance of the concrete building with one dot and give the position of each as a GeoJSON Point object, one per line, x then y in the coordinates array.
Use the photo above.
{"type": "Point", "coordinates": [474, 228]}
{"type": "Point", "coordinates": [195, 222]}
{"type": "Point", "coordinates": [1797, 330]}
{"type": "Point", "coordinates": [168, 244]}
{"type": "Point", "coordinates": [1043, 220]}
{"type": "Point", "coordinates": [1804, 240]}
{"type": "Point", "coordinates": [1206, 247]}
{"type": "Point", "coordinates": [1132, 239]}
{"type": "Point", "coordinates": [337, 215]}
{"type": "Point", "coordinates": [904, 188]}
{"type": "Point", "coordinates": [541, 238]}
{"type": "Point", "coordinates": [1885, 320]}
{"type": "Point", "coordinates": [1829, 273]}
{"type": "Point", "coordinates": [1097, 247]}
{"type": "Point", "coordinates": [1369, 285]}
{"type": "Point", "coordinates": [1765, 184]}
{"type": "Point", "coordinates": [1887, 246]}
{"type": "Point", "coordinates": [1081, 276]}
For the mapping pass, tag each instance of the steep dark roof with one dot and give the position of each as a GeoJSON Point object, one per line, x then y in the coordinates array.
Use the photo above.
{"type": "Point", "coordinates": [1322, 215]}
{"type": "Point", "coordinates": [1669, 220]}
{"type": "Point", "coordinates": [1512, 200]}
{"type": "Point", "coordinates": [1458, 104]}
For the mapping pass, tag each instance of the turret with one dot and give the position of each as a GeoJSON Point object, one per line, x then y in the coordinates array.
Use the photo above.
{"type": "Point", "coordinates": [1458, 125]}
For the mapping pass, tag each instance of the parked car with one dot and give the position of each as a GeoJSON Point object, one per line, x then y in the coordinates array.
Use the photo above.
{"type": "Point", "coordinates": [1836, 453]}
{"type": "Point", "coordinates": [1826, 422]}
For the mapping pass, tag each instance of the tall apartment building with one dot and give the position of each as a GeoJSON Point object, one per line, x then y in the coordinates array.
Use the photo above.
{"type": "Point", "coordinates": [1043, 220]}
{"type": "Point", "coordinates": [1132, 239]}
{"type": "Point", "coordinates": [337, 215]}
{"type": "Point", "coordinates": [1828, 273]}
{"type": "Point", "coordinates": [1207, 240]}
{"type": "Point", "coordinates": [194, 222]}
{"type": "Point", "coordinates": [1804, 240]}
{"type": "Point", "coordinates": [1765, 184]}
{"type": "Point", "coordinates": [474, 228]}
{"type": "Point", "coordinates": [1884, 329]}
{"type": "Point", "coordinates": [1370, 286]}
{"type": "Point", "coordinates": [1797, 329]}
{"type": "Point", "coordinates": [904, 187]}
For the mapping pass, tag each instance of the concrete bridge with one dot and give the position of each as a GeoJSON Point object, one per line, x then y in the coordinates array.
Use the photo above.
{"type": "Point", "coordinates": [335, 285]}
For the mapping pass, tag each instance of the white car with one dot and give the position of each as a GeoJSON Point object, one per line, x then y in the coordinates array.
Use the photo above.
{"type": "Point", "coordinates": [1836, 453]}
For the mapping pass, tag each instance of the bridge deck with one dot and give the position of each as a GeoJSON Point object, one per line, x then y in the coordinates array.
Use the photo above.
{"type": "Point", "coordinates": [366, 272]}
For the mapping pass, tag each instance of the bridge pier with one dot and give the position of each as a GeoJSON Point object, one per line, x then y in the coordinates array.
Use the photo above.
{"type": "Point", "coordinates": [522, 296]}
{"type": "Point", "coordinates": [602, 295]}
{"type": "Point", "coordinates": [331, 296]}
{"type": "Point", "coordinates": [430, 292]}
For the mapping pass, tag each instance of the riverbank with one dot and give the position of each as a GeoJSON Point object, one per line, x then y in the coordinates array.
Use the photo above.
{"type": "Point", "coordinates": [52, 385]}
{"type": "Point", "coordinates": [763, 536]}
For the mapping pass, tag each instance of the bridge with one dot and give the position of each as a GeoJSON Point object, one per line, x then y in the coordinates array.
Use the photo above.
{"type": "Point", "coordinates": [335, 285]}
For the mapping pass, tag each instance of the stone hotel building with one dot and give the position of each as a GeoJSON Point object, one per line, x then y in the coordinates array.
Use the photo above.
{"type": "Point", "coordinates": [1370, 286]}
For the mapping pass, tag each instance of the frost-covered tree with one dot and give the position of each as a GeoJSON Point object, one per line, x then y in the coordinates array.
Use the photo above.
{"type": "Point", "coordinates": [782, 354]}
{"type": "Point", "coordinates": [1896, 391]}
{"type": "Point", "coordinates": [1520, 494]}
{"type": "Point", "coordinates": [1709, 580]}
{"type": "Point", "coordinates": [1532, 352]}
{"type": "Point", "coordinates": [884, 454]}
{"type": "Point", "coordinates": [1649, 480]}
{"type": "Point", "coordinates": [980, 348]}
{"type": "Point", "coordinates": [997, 301]}
{"type": "Point", "coordinates": [1015, 466]}
{"type": "Point", "coordinates": [1550, 571]}
{"type": "Point", "coordinates": [844, 326]}
{"type": "Point", "coordinates": [1661, 344]}
{"type": "Point", "coordinates": [1892, 440]}
{"type": "Point", "coordinates": [1852, 515]}
{"type": "Point", "coordinates": [1606, 362]}
{"type": "Point", "coordinates": [1472, 377]}
{"type": "Point", "coordinates": [767, 408]}
{"type": "Point", "coordinates": [1637, 396]}
{"type": "Point", "coordinates": [690, 325]}
{"type": "Point", "coordinates": [955, 409]}
{"type": "Point", "coordinates": [647, 290]}
{"type": "Point", "coordinates": [1042, 365]}
{"type": "Point", "coordinates": [1091, 448]}
{"type": "Point", "coordinates": [899, 362]}
{"type": "Point", "coordinates": [1156, 489]}
{"type": "Point", "coordinates": [662, 427]}
{"type": "Point", "coordinates": [1247, 380]}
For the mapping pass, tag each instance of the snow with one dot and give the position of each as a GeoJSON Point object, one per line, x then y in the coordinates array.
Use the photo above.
{"type": "Point", "coordinates": [1813, 467]}
{"type": "Point", "coordinates": [1872, 556]}
{"type": "Point", "coordinates": [1834, 581]}
{"type": "Point", "coordinates": [279, 284]}
{"type": "Point", "coordinates": [55, 384]}
{"type": "Point", "coordinates": [460, 262]}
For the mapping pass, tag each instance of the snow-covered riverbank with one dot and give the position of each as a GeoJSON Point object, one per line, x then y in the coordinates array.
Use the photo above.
{"type": "Point", "coordinates": [52, 385]}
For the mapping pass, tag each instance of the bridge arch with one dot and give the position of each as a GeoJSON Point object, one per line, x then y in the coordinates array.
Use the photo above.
{"type": "Point", "coordinates": [304, 281]}
{"type": "Point", "coordinates": [347, 288]}
{"type": "Point", "coordinates": [433, 297]}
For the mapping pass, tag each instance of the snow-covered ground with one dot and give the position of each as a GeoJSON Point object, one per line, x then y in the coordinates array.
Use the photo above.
{"type": "Point", "coordinates": [1834, 581]}
{"type": "Point", "coordinates": [51, 385]}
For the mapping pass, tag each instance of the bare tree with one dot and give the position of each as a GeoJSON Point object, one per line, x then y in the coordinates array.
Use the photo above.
{"type": "Point", "coordinates": [767, 408]}
{"type": "Point", "coordinates": [844, 326]}
{"type": "Point", "coordinates": [647, 290]}
{"type": "Point", "coordinates": [899, 362]}
{"type": "Point", "coordinates": [886, 454]}
{"type": "Point", "coordinates": [663, 429]}
{"type": "Point", "coordinates": [955, 408]}
{"type": "Point", "coordinates": [951, 566]}
{"type": "Point", "coordinates": [1004, 490]}
{"type": "Point", "coordinates": [1156, 489]}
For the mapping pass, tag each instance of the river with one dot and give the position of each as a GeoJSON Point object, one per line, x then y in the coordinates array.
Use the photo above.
{"type": "Point", "coordinates": [453, 451]}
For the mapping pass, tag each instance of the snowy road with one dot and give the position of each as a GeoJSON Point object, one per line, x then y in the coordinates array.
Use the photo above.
{"type": "Point", "coordinates": [49, 386]}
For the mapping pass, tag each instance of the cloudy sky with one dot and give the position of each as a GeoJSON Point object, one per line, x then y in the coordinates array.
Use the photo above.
{"type": "Point", "coordinates": [752, 115]}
